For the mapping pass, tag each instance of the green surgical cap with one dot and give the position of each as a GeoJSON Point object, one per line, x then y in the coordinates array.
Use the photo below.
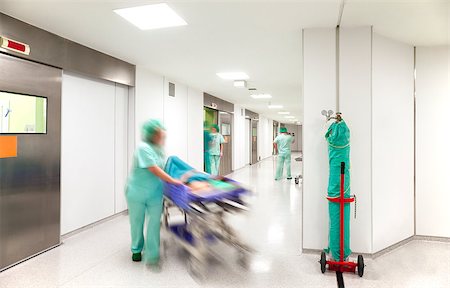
{"type": "Point", "coordinates": [215, 126]}
{"type": "Point", "coordinates": [150, 128]}
{"type": "Point", "coordinates": [283, 130]}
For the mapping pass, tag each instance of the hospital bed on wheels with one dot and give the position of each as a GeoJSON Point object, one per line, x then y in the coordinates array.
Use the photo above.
{"type": "Point", "coordinates": [204, 223]}
{"type": "Point", "coordinates": [342, 265]}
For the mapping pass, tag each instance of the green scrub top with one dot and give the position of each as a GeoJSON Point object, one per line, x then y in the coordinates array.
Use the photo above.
{"type": "Point", "coordinates": [216, 140]}
{"type": "Point", "coordinates": [143, 185]}
{"type": "Point", "coordinates": [284, 142]}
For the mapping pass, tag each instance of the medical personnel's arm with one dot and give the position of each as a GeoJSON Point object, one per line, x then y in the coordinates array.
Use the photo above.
{"type": "Point", "coordinates": [275, 146]}
{"type": "Point", "coordinates": [163, 175]}
{"type": "Point", "coordinates": [221, 150]}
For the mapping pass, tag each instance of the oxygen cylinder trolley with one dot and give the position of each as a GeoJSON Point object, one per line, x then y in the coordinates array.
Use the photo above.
{"type": "Point", "coordinates": [342, 264]}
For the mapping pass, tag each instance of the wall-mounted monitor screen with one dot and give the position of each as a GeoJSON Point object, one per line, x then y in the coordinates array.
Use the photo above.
{"type": "Point", "coordinates": [22, 114]}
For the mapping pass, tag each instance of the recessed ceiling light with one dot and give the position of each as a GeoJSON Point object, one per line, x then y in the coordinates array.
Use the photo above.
{"type": "Point", "coordinates": [261, 96]}
{"type": "Point", "coordinates": [152, 16]}
{"type": "Point", "coordinates": [289, 117]}
{"type": "Point", "coordinates": [275, 106]}
{"type": "Point", "coordinates": [284, 113]}
{"type": "Point", "coordinates": [233, 75]}
{"type": "Point", "coordinates": [240, 83]}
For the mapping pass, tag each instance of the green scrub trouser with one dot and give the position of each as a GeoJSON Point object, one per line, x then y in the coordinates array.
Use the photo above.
{"type": "Point", "coordinates": [137, 212]}
{"type": "Point", "coordinates": [207, 160]}
{"type": "Point", "coordinates": [283, 159]}
{"type": "Point", "coordinates": [215, 164]}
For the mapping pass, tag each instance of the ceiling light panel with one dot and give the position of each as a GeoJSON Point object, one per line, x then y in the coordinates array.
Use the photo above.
{"type": "Point", "coordinates": [240, 83]}
{"type": "Point", "coordinates": [233, 75]}
{"type": "Point", "coordinates": [284, 113]}
{"type": "Point", "coordinates": [261, 96]}
{"type": "Point", "coordinates": [153, 16]}
{"type": "Point", "coordinates": [275, 106]}
{"type": "Point", "coordinates": [289, 117]}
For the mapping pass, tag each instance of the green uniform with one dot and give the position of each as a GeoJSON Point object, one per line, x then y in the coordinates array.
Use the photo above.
{"type": "Point", "coordinates": [214, 152]}
{"type": "Point", "coordinates": [144, 196]}
{"type": "Point", "coordinates": [206, 154]}
{"type": "Point", "coordinates": [283, 142]}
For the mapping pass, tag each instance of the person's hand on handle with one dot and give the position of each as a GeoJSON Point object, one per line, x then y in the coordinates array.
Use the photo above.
{"type": "Point", "coordinates": [176, 182]}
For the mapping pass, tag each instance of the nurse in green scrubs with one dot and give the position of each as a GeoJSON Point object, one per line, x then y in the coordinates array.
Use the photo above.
{"type": "Point", "coordinates": [145, 192]}
{"type": "Point", "coordinates": [282, 145]}
{"type": "Point", "coordinates": [215, 149]}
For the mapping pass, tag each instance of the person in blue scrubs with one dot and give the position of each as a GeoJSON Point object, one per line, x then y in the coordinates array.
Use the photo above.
{"type": "Point", "coordinates": [144, 192]}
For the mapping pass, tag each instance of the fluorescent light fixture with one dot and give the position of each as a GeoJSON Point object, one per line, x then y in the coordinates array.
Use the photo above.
{"type": "Point", "coordinates": [233, 75]}
{"type": "Point", "coordinates": [284, 113]}
{"type": "Point", "coordinates": [152, 16]}
{"type": "Point", "coordinates": [261, 96]}
{"type": "Point", "coordinates": [275, 106]}
{"type": "Point", "coordinates": [289, 117]}
{"type": "Point", "coordinates": [240, 83]}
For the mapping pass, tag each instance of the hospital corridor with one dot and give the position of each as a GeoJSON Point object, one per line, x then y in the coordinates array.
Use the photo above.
{"type": "Point", "coordinates": [224, 144]}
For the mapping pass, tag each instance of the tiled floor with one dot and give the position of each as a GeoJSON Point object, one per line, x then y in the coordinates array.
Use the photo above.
{"type": "Point", "coordinates": [100, 257]}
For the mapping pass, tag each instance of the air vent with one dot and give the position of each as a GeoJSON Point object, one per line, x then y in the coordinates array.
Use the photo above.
{"type": "Point", "coordinates": [171, 89]}
{"type": "Point", "coordinates": [252, 89]}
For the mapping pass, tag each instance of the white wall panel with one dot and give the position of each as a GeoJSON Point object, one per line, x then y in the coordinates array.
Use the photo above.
{"type": "Point", "coordinates": [121, 146]}
{"type": "Point", "coordinates": [432, 141]}
{"type": "Point", "coordinates": [319, 70]}
{"type": "Point", "coordinates": [265, 138]}
{"type": "Point", "coordinates": [355, 80]}
{"type": "Point", "coordinates": [176, 120]}
{"type": "Point", "coordinates": [240, 155]}
{"type": "Point", "coordinates": [148, 97]}
{"type": "Point", "coordinates": [87, 160]}
{"type": "Point", "coordinates": [393, 142]}
{"type": "Point", "coordinates": [195, 129]}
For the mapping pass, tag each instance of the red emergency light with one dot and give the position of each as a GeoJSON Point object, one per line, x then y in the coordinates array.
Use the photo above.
{"type": "Point", "coordinates": [15, 46]}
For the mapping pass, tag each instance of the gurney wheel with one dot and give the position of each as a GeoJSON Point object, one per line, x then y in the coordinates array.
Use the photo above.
{"type": "Point", "coordinates": [323, 262]}
{"type": "Point", "coordinates": [196, 269]}
{"type": "Point", "coordinates": [360, 265]}
{"type": "Point", "coordinates": [244, 260]}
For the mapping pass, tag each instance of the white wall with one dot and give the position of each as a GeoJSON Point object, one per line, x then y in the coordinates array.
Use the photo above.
{"type": "Point", "coordinates": [121, 146]}
{"type": "Point", "coordinates": [432, 141]}
{"type": "Point", "coordinates": [265, 137]}
{"type": "Point", "coordinates": [355, 57]}
{"type": "Point", "coordinates": [148, 98]}
{"type": "Point", "coordinates": [319, 70]}
{"type": "Point", "coordinates": [393, 142]}
{"type": "Point", "coordinates": [195, 128]}
{"type": "Point", "coordinates": [182, 115]}
{"type": "Point", "coordinates": [93, 168]}
{"type": "Point", "coordinates": [176, 120]}
{"type": "Point", "coordinates": [239, 138]}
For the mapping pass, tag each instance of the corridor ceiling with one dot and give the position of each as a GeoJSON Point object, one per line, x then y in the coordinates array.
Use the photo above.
{"type": "Point", "coordinates": [261, 38]}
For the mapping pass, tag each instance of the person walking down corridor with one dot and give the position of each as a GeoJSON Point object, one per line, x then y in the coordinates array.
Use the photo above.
{"type": "Point", "coordinates": [215, 149]}
{"type": "Point", "coordinates": [282, 145]}
{"type": "Point", "coordinates": [145, 192]}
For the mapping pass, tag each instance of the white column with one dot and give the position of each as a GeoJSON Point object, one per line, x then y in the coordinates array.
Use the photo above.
{"type": "Point", "coordinates": [319, 69]}
{"type": "Point", "coordinates": [432, 141]}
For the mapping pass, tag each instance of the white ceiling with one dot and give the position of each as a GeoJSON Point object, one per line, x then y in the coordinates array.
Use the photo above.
{"type": "Point", "coordinates": [261, 38]}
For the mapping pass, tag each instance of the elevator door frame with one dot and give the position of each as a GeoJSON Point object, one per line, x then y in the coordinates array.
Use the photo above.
{"type": "Point", "coordinates": [226, 166]}
{"type": "Point", "coordinates": [30, 183]}
{"type": "Point", "coordinates": [254, 142]}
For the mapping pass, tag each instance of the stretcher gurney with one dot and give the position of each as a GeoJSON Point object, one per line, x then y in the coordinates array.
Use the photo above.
{"type": "Point", "coordinates": [204, 224]}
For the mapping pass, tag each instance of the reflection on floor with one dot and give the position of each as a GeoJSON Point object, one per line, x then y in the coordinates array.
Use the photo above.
{"type": "Point", "coordinates": [100, 256]}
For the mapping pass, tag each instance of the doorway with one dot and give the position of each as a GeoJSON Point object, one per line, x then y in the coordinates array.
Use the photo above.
{"type": "Point", "coordinates": [225, 122]}
{"type": "Point", "coordinates": [254, 141]}
{"type": "Point", "coordinates": [30, 177]}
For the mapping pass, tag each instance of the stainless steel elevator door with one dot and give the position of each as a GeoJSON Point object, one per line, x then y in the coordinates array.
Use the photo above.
{"type": "Point", "coordinates": [226, 128]}
{"type": "Point", "coordinates": [30, 182]}
{"type": "Point", "coordinates": [254, 141]}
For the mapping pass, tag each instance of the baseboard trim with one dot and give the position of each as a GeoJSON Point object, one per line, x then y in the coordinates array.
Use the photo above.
{"type": "Point", "coordinates": [389, 248]}
{"type": "Point", "coordinates": [92, 225]}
